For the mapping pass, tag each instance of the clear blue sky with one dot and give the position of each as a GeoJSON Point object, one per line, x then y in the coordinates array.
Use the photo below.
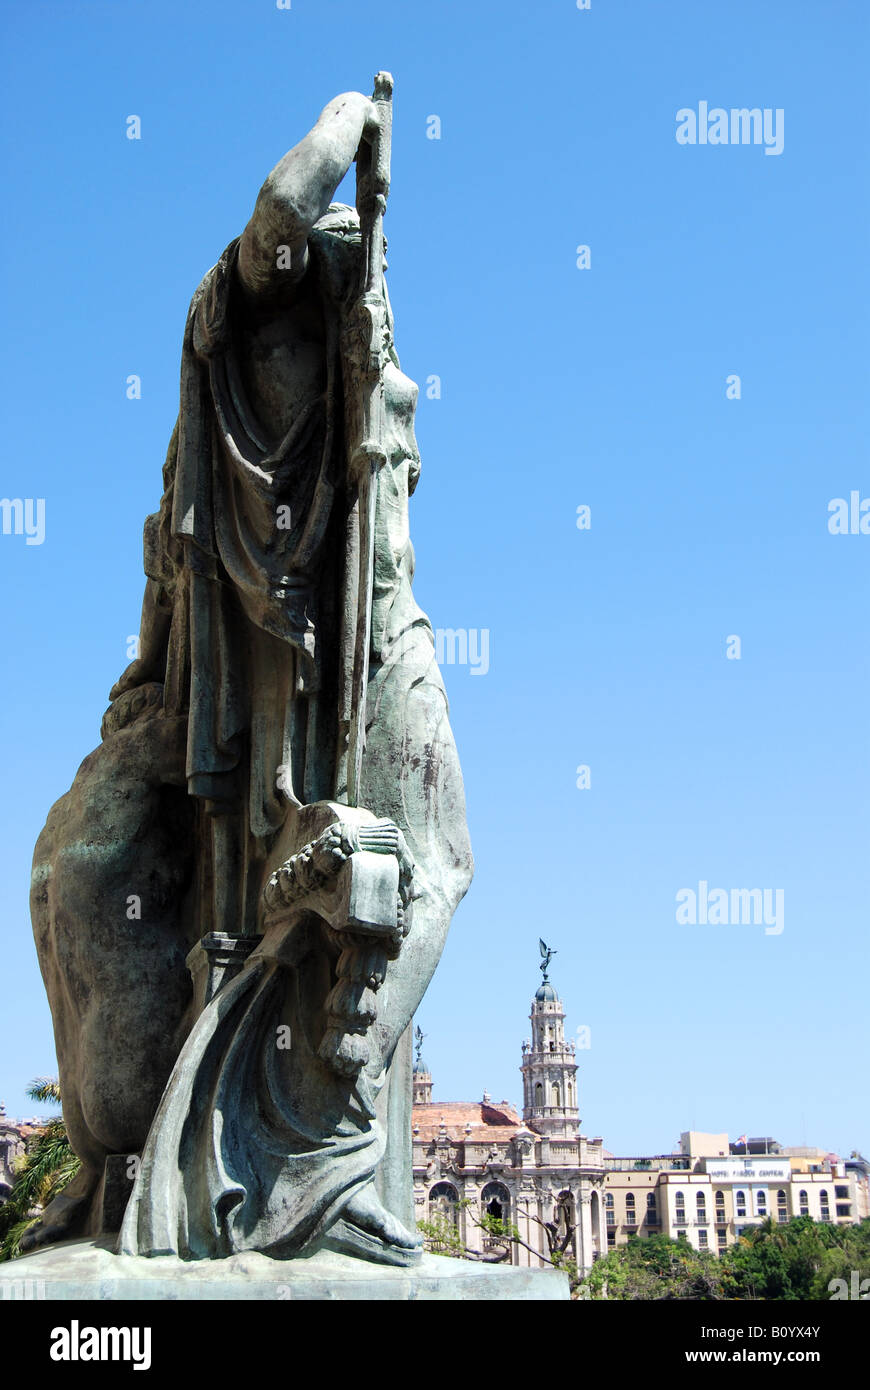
{"type": "Point", "coordinates": [561, 387]}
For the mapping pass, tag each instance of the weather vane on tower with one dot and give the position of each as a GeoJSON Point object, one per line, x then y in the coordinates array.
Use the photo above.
{"type": "Point", "coordinates": [546, 956]}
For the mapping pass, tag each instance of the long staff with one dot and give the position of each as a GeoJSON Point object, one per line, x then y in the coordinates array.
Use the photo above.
{"type": "Point", "coordinates": [368, 451]}
{"type": "Point", "coordinates": [362, 963]}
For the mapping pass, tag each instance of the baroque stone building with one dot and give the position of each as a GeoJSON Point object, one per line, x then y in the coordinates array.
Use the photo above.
{"type": "Point", "coordinates": [537, 1172]}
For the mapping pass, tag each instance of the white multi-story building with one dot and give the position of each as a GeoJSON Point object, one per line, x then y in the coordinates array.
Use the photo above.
{"type": "Point", "coordinates": [711, 1198]}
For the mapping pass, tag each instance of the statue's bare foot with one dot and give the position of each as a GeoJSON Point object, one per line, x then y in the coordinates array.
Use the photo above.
{"type": "Point", "coordinates": [68, 1215]}
{"type": "Point", "coordinates": [366, 1211]}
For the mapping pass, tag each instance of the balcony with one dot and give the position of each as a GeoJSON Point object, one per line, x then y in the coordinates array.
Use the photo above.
{"type": "Point", "coordinates": [492, 1246]}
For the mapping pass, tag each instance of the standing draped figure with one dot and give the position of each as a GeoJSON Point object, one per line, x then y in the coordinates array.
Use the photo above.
{"type": "Point", "coordinates": [270, 1101]}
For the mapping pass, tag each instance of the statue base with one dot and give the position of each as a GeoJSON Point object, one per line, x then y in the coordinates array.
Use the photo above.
{"type": "Point", "coordinates": [82, 1270]}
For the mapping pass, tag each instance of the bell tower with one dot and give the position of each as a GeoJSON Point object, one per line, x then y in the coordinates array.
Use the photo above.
{"type": "Point", "coordinates": [548, 1066]}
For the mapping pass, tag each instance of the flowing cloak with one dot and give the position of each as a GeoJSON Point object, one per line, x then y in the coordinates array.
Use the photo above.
{"type": "Point", "coordinates": [255, 1147]}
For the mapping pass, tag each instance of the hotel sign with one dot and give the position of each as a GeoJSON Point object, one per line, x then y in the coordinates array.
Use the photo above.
{"type": "Point", "coordinates": [759, 1169]}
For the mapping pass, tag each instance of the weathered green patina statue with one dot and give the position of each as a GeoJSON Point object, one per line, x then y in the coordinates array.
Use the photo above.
{"type": "Point", "coordinates": [241, 900]}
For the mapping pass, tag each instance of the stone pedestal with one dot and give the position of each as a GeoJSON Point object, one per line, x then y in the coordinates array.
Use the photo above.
{"type": "Point", "coordinates": [89, 1270]}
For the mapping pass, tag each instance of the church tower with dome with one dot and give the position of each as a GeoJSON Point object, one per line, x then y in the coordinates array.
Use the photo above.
{"type": "Point", "coordinates": [422, 1074]}
{"type": "Point", "coordinates": [537, 1172]}
{"type": "Point", "coordinates": [548, 1066]}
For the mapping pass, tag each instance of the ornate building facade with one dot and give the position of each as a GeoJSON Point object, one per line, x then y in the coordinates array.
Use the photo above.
{"type": "Point", "coordinates": [537, 1172]}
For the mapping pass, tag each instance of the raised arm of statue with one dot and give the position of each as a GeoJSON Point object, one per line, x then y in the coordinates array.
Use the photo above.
{"type": "Point", "coordinates": [273, 252]}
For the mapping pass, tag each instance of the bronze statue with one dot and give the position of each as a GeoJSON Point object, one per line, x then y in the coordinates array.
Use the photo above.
{"type": "Point", "coordinates": [276, 808]}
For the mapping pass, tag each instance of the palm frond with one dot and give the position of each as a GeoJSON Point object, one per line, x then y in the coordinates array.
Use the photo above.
{"type": "Point", "coordinates": [45, 1088]}
{"type": "Point", "coordinates": [50, 1165]}
{"type": "Point", "coordinates": [10, 1248]}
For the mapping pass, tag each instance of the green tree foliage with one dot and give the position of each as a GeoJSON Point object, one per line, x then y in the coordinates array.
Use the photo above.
{"type": "Point", "coordinates": [653, 1269]}
{"type": "Point", "coordinates": [795, 1260]}
{"type": "Point", "coordinates": [772, 1261]}
{"type": "Point", "coordinates": [42, 1173]}
{"type": "Point", "coordinates": [441, 1237]}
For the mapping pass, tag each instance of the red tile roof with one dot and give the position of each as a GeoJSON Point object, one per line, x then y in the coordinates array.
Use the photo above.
{"type": "Point", "coordinates": [488, 1121]}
